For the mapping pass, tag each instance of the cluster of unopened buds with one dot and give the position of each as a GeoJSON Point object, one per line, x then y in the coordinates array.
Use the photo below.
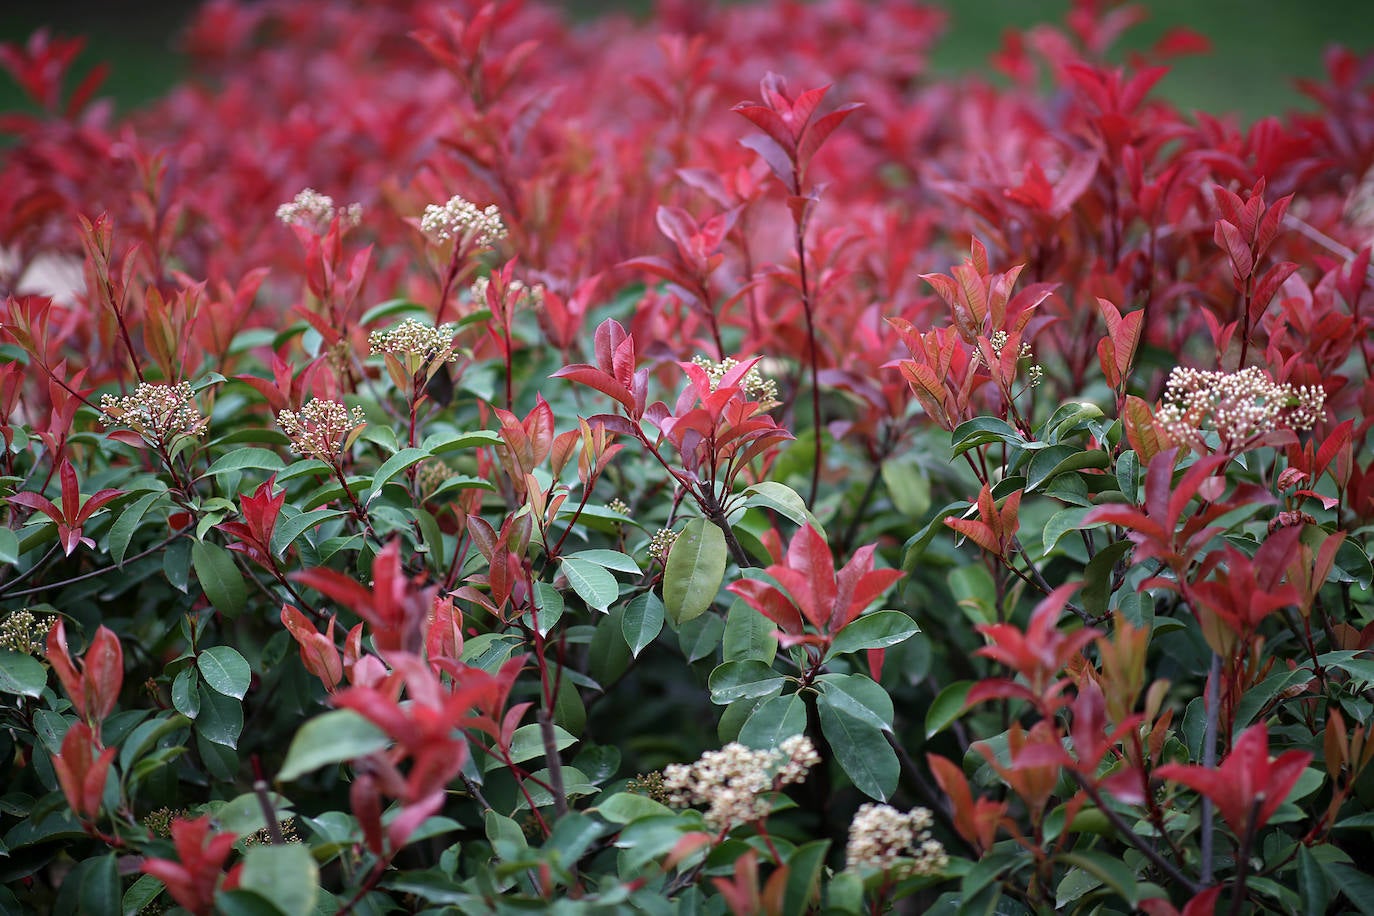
{"type": "Point", "coordinates": [416, 345]}
{"type": "Point", "coordinates": [661, 544]}
{"type": "Point", "coordinates": [755, 385]}
{"type": "Point", "coordinates": [998, 342]}
{"type": "Point", "coordinates": [732, 783]}
{"type": "Point", "coordinates": [321, 429]}
{"type": "Point", "coordinates": [518, 293]}
{"type": "Point", "coordinates": [460, 218]}
{"type": "Point", "coordinates": [315, 211]}
{"type": "Point", "coordinates": [1240, 407]}
{"type": "Point", "coordinates": [880, 837]}
{"type": "Point", "coordinates": [158, 413]}
{"type": "Point", "coordinates": [23, 631]}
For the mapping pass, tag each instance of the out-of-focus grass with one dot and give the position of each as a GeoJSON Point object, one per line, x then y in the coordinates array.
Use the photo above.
{"type": "Point", "coordinates": [1259, 45]}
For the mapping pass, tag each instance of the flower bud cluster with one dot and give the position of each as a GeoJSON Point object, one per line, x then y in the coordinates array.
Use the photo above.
{"type": "Point", "coordinates": [532, 294]}
{"type": "Point", "coordinates": [1240, 406]}
{"type": "Point", "coordinates": [417, 340]}
{"type": "Point", "coordinates": [754, 385]}
{"type": "Point", "coordinates": [880, 836]}
{"type": "Point", "coordinates": [23, 632]}
{"type": "Point", "coordinates": [315, 211]}
{"type": "Point", "coordinates": [460, 217]}
{"type": "Point", "coordinates": [661, 543]}
{"type": "Point", "coordinates": [158, 413]}
{"type": "Point", "coordinates": [321, 429]}
{"type": "Point", "coordinates": [731, 782]}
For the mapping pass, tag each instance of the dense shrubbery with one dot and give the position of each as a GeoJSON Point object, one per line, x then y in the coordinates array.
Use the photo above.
{"type": "Point", "coordinates": [995, 452]}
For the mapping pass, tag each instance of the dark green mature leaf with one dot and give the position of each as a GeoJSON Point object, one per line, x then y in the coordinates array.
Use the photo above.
{"type": "Point", "coordinates": [1313, 887]}
{"type": "Point", "coordinates": [286, 875]}
{"type": "Point", "coordinates": [1109, 869]}
{"type": "Point", "coordinates": [748, 634]}
{"type": "Point", "coordinates": [642, 623]}
{"type": "Point", "coordinates": [221, 718]}
{"type": "Point", "coordinates": [873, 631]}
{"type": "Point", "coordinates": [783, 500]}
{"type": "Point", "coordinates": [21, 674]}
{"type": "Point", "coordinates": [982, 431]}
{"type": "Point", "coordinates": [804, 876]}
{"type": "Point", "coordinates": [732, 681]}
{"type": "Point", "coordinates": [100, 894]}
{"type": "Point", "coordinates": [947, 707]}
{"type": "Point", "coordinates": [292, 526]}
{"type": "Point", "coordinates": [1259, 696]}
{"type": "Point", "coordinates": [393, 466]}
{"type": "Point", "coordinates": [244, 459]}
{"type": "Point", "coordinates": [330, 738]}
{"type": "Point", "coordinates": [699, 638]}
{"type": "Point", "coordinates": [1355, 885]}
{"type": "Point", "coordinates": [627, 807]}
{"type": "Point", "coordinates": [225, 670]}
{"type": "Point", "coordinates": [219, 577]}
{"type": "Point", "coordinates": [1050, 463]}
{"type": "Point", "coordinates": [696, 566]}
{"type": "Point", "coordinates": [861, 749]}
{"type": "Point", "coordinates": [124, 528]}
{"type": "Point", "coordinates": [773, 721]}
{"type": "Point", "coordinates": [592, 582]}
{"type": "Point", "coordinates": [1097, 578]}
{"type": "Point", "coordinates": [858, 695]}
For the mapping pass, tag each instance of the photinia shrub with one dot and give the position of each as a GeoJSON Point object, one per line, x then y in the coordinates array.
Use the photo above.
{"type": "Point", "coordinates": [787, 484]}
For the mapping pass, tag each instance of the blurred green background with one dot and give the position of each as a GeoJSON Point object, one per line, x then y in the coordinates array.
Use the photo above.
{"type": "Point", "coordinates": [1259, 45]}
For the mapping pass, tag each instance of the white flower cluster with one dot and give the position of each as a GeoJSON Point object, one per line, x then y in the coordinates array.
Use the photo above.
{"type": "Point", "coordinates": [754, 385]}
{"type": "Point", "coordinates": [321, 428]}
{"type": "Point", "coordinates": [461, 217]}
{"type": "Point", "coordinates": [731, 782]}
{"type": "Point", "coordinates": [533, 294]}
{"type": "Point", "coordinates": [880, 836]}
{"type": "Point", "coordinates": [415, 338]}
{"type": "Point", "coordinates": [1239, 406]}
{"type": "Point", "coordinates": [315, 211]}
{"type": "Point", "coordinates": [158, 413]}
{"type": "Point", "coordinates": [23, 632]}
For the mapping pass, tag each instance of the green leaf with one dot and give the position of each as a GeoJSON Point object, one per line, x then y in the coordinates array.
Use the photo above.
{"type": "Point", "coordinates": [9, 546]}
{"type": "Point", "coordinates": [122, 531]}
{"type": "Point", "coordinates": [1357, 886]}
{"type": "Point", "coordinates": [1312, 884]}
{"type": "Point", "coordinates": [392, 467]}
{"type": "Point", "coordinates": [699, 638]}
{"type": "Point", "coordinates": [219, 577]}
{"type": "Point", "coordinates": [141, 893]}
{"type": "Point", "coordinates": [947, 707]}
{"type": "Point", "coordinates": [572, 836]}
{"type": "Point", "coordinates": [782, 499]}
{"type": "Point", "coordinates": [610, 559]}
{"type": "Point", "coordinates": [642, 623]}
{"type": "Point", "coordinates": [983, 431]}
{"type": "Point", "coordinates": [773, 721]}
{"type": "Point", "coordinates": [859, 696]}
{"type": "Point", "coordinates": [286, 875]}
{"type": "Point", "coordinates": [391, 308]}
{"type": "Point", "coordinates": [1049, 463]}
{"type": "Point", "coordinates": [1259, 696]}
{"type": "Point", "coordinates": [1360, 669]}
{"type": "Point", "coordinates": [244, 459]}
{"type": "Point", "coordinates": [861, 749]}
{"type": "Point", "coordinates": [21, 674]}
{"type": "Point", "coordinates": [1066, 418]}
{"type": "Point", "coordinates": [225, 670]}
{"type": "Point", "coordinates": [593, 583]}
{"type": "Point", "coordinates": [908, 486]}
{"type": "Point", "coordinates": [99, 894]}
{"type": "Point", "coordinates": [333, 737]}
{"type": "Point", "coordinates": [527, 742]}
{"type": "Point", "coordinates": [443, 443]}
{"type": "Point", "coordinates": [873, 631]}
{"type": "Point", "coordinates": [185, 695]}
{"type": "Point", "coordinates": [289, 528]}
{"type": "Point", "coordinates": [804, 876]}
{"type": "Point", "coordinates": [732, 681]}
{"type": "Point", "coordinates": [1061, 523]}
{"type": "Point", "coordinates": [748, 634]}
{"type": "Point", "coordinates": [1109, 869]}
{"type": "Point", "coordinates": [221, 718]}
{"type": "Point", "coordinates": [1097, 577]}
{"type": "Point", "coordinates": [626, 807]}
{"type": "Point", "coordinates": [696, 566]}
